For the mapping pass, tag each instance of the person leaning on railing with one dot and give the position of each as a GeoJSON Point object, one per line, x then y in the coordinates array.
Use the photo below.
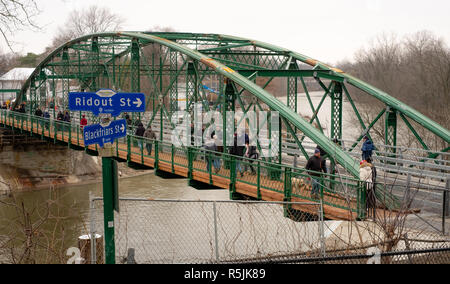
{"type": "Point", "coordinates": [315, 169]}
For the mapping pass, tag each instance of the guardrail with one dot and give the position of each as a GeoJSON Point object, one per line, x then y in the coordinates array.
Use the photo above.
{"type": "Point", "coordinates": [340, 192]}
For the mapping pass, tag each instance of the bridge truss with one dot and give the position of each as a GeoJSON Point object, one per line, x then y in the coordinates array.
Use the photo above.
{"type": "Point", "coordinates": [225, 73]}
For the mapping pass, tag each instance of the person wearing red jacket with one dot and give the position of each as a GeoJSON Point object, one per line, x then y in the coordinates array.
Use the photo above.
{"type": "Point", "coordinates": [83, 122]}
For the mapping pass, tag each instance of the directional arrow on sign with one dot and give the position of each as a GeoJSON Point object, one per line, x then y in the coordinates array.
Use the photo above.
{"type": "Point", "coordinates": [138, 102]}
{"type": "Point", "coordinates": [98, 134]}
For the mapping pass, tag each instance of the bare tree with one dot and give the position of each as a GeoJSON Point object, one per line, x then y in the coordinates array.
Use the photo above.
{"type": "Point", "coordinates": [415, 70]}
{"type": "Point", "coordinates": [93, 19]}
{"type": "Point", "coordinates": [16, 15]}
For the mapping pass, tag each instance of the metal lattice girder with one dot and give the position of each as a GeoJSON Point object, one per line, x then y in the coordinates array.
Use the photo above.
{"type": "Point", "coordinates": [292, 88]}
{"type": "Point", "coordinates": [191, 86]}
{"type": "Point", "coordinates": [135, 66]}
{"type": "Point", "coordinates": [390, 131]}
{"type": "Point", "coordinates": [174, 79]}
{"type": "Point", "coordinates": [336, 112]}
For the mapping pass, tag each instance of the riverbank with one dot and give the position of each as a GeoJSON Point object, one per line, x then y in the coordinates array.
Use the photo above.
{"type": "Point", "coordinates": [38, 167]}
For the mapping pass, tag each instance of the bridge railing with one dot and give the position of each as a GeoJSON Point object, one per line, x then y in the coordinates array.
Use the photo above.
{"type": "Point", "coordinates": [258, 175]}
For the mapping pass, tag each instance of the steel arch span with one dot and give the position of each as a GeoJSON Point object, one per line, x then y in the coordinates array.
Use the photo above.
{"type": "Point", "coordinates": [167, 66]}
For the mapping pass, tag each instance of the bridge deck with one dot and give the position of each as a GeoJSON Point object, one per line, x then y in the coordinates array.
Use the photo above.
{"type": "Point", "coordinates": [220, 180]}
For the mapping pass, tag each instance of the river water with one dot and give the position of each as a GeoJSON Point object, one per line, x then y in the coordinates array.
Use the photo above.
{"type": "Point", "coordinates": [69, 207]}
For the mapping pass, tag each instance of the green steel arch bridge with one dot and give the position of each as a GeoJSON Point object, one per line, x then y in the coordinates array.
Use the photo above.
{"type": "Point", "coordinates": [225, 73]}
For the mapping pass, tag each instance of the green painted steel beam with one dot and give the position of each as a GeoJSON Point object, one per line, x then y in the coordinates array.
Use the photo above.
{"type": "Point", "coordinates": [175, 42]}
{"type": "Point", "coordinates": [423, 120]}
{"type": "Point", "coordinates": [9, 91]}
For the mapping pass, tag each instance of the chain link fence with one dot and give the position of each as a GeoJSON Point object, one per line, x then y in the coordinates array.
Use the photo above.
{"type": "Point", "coordinates": [241, 232]}
{"type": "Point", "coordinates": [193, 232]}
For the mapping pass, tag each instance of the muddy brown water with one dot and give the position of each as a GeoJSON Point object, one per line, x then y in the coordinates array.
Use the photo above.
{"type": "Point", "coordinates": [69, 210]}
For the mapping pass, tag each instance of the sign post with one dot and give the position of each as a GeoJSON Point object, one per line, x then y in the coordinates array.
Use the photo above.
{"type": "Point", "coordinates": [107, 104]}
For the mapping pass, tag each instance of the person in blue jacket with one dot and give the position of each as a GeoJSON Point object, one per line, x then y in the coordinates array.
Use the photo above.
{"type": "Point", "coordinates": [367, 149]}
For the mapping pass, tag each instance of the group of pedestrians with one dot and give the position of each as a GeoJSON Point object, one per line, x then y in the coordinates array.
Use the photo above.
{"type": "Point", "coordinates": [241, 149]}
{"type": "Point", "coordinates": [149, 134]}
{"type": "Point", "coordinates": [316, 166]}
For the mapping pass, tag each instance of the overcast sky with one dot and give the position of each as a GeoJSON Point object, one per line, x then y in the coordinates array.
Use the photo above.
{"type": "Point", "coordinates": [328, 30]}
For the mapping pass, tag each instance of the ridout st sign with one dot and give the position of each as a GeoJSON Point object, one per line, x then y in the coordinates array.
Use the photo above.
{"type": "Point", "coordinates": [107, 102]}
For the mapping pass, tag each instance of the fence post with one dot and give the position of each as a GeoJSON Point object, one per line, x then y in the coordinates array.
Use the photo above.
{"type": "Point", "coordinates": [93, 231]}
{"type": "Point", "coordinates": [322, 230]}
{"type": "Point", "coordinates": [156, 166]}
{"type": "Point", "coordinates": [69, 142]}
{"type": "Point", "coordinates": [447, 198]}
{"type": "Point", "coordinates": [232, 178]}
{"type": "Point", "coordinates": [287, 190]}
{"type": "Point", "coordinates": [190, 164]}
{"type": "Point", "coordinates": [32, 127]}
{"type": "Point", "coordinates": [142, 150]}
{"type": "Point", "coordinates": [128, 148]}
{"type": "Point", "coordinates": [55, 131]}
{"type": "Point", "coordinates": [259, 181]}
{"type": "Point", "coordinates": [216, 231]}
{"type": "Point", "coordinates": [445, 205]}
{"type": "Point", "coordinates": [173, 158]}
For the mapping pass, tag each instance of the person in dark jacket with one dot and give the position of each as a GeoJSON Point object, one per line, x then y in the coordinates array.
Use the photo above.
{"type": "Point", "coordinates": [129, 121]}
{"type": "Point", "coordinates": [47, 120]}
{"type": "Point", "coordinates": [22, 108]}
{"type": "Point", "coordinates": [323, 153]}
{"type": "Point", "coordinates": [67, 116]}
{"type": "Point", "coordinates": [140, 133]}
{"type": "Point", "coordinates": [38, 112]}
{"type": "Point", "coordinates": [252, 154]}
{"type": "Point", "coordinates": [314, 166]}
{"type": "Point", "coordinates": [60, 116]}
{"type": "Point", "coordinates": [367, 149]}
{"type": "Point", "coordinates": [151, 136]}
{"type": "Point", "coordinates": [239, 152]}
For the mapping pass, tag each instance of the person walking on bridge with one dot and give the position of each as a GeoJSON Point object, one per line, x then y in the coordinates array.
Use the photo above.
{"type": "Point", "coordinates": [38, 112]}
{"type": "Point", "coordinates": [238, 151]}
{"type": "Point", "coordinates": [140, 133]}
{"type": "Point", "coordinates": [67, 117]}
{"type": "Point", "coordinates": [252, 154]}
{"type": "Point", "coordinates": [150, 135]}
{"type": "Point", "coordinates": [367, 149]}
{"type": "Point", "coordinates": [211, 158]}
{"type": "Point", "coordinates": [315, 168]}
{"type": "Point", "coordinates": [83, 122]}
{"type": "Point", "coordinates": [47, 120]}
